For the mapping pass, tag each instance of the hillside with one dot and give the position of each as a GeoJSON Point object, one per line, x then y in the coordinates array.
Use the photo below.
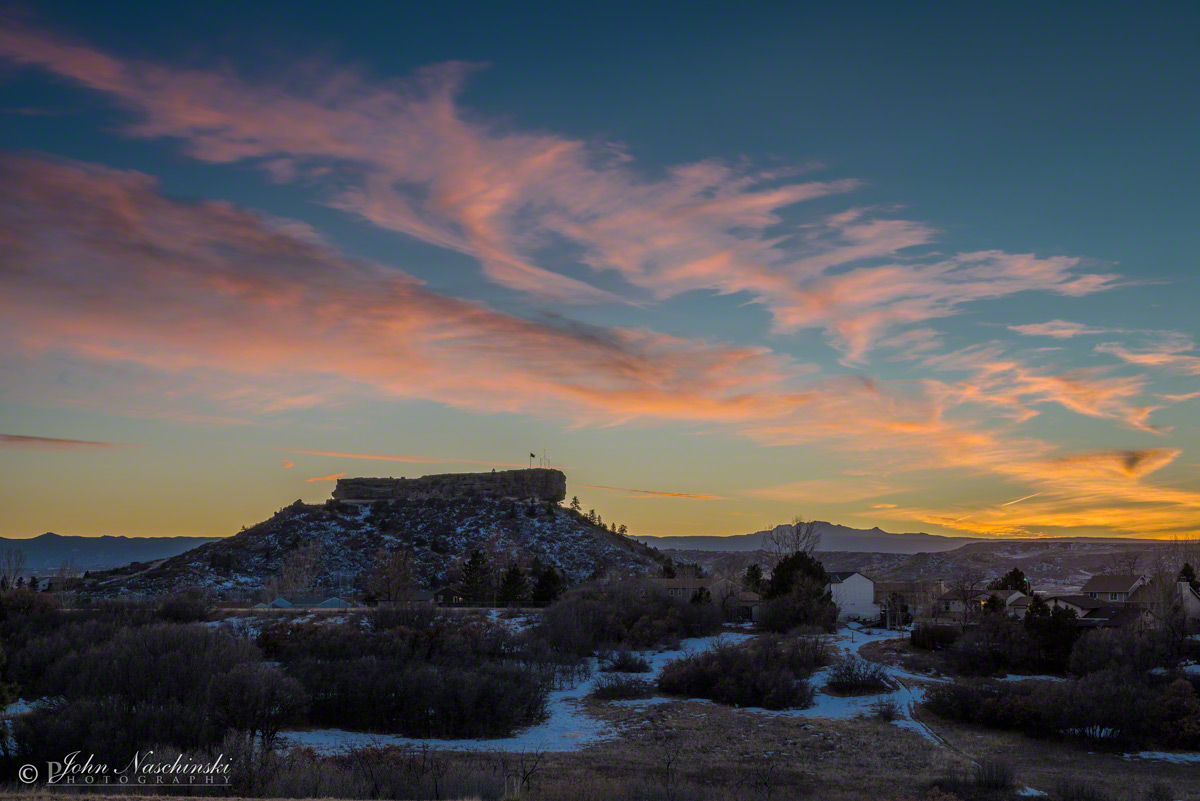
{"type": "Point", "coordinates": [342, 540]}
{"type": "Point", "coordinates": [46, 553]}
{"type": "Point", "coordinates": [834, 537]}
{"type": "Point", "coordinates": [1051, 564]}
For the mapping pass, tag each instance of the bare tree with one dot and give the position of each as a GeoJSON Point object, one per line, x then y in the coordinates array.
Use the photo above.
{"type": "Point", "coordinates": [392, 577]}
{"type": "Point", "coordinates": [1124, 562]}
{"type": "Point", "coordinates": [964, 586]}
{"type": "Point", "coordinates": [800, 536]}
{"type": "Point", "coordinates": [298, 572]}
{"type": "Point", "coordinates": [12, 564]}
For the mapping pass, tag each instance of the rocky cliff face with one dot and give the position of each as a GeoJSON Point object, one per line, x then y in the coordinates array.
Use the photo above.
{"type": "Point", "coordinates": [535, 484]}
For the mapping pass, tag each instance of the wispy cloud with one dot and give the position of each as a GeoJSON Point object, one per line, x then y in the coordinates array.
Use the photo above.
{"type": "Point", "coordinates": [29, 443]}
{"type": "Point", "coordinates": [405, 156]}
{"type": "Point", "coordinates": [1059, 329]}
{"type": "Point", "coordinates": [287, 464]}
{"type": "Point", "coordinates": [654, 493]}
{"type": "Point", "coordinates": [1170, 351]}
{"type": "Point", "coordinates": [333, 477]}
{"type": "Point", "coordinates": [826, 490]}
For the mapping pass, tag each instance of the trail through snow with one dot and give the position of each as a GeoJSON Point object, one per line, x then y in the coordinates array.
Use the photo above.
{"type": "Point", "coordinates": [569, 728]}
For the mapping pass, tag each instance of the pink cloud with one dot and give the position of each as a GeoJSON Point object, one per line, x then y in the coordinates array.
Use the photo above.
{"type": "Point", "coordinates": [1058, 329]}
{"type": "Point", "coordinates": [333, 477]}
{"type": "Point", "coordinates": [405, 156]}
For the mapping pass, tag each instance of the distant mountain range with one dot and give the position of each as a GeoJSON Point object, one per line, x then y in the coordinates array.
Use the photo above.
{"type": "Point", "coordinates": [834, 537]}
{"type": "Point", "coordinates": [46, 553]}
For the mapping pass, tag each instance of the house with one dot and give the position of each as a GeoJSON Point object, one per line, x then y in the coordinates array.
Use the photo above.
{"type": "Point", "coordinates": [449, 596]}
{"type": "Point", "coordinates": [1156, 596]}
{"type": "Point", "coordinates": [683, 588]}
{"type": "Point", "coordinates": [955, 604]}
{"type": "Point", "coordinates": [1112, 589]}
{"type": "Point", "coordinates": [305, 602]}
{"type": "Point", "coordinates": [854, 595]}
{"type": "Point", "coordinates": [412, 599]}
{"type": "Point", "coordinates": [1081, 605]}
{"type": "Point", "coordinates": [899, 600]}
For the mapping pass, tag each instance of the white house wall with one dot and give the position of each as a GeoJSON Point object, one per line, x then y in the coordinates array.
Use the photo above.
{"type": "Point", "coordinates": [855, 598]}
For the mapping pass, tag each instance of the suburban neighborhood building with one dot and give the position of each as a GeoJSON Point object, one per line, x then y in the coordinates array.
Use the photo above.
{"type": "Point", "coordinates": [1112, 589]}
{"type": "Point", "coordinates": [854, 595]}
{"type": "Point", "coordinates": [305, 602]}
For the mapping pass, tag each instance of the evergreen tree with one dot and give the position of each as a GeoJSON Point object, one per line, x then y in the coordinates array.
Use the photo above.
{"type": "Point", "coordinates": [33, 583]}
{"type": "Point", "coordinates": [1012, 580]}
{"type": "Point", "coordinates": [993, 605]}
{"type": "Point", "coordinates": [623, 530]}
{"type": "Point", "coordinates": [1188, 574]}
{"type": "Point", "coordinates": [791, 571]}
{"type": "Point", "coordinates": [513, 587]}
{"type": "Point", "coordinates": [753, 579]}
{"type": "Point", "coordinates": [702, 596]}
{"type": "Point", "coordinates": [20, 582]}
{"type": "Point", "coordinates": [591, 516]}
{"type": "Point", "coordinates": [575, 507]}
{"type": "Point", "coordinates": [548, 587]}
{"type": "Point", "coordinates": [477, 578]}
{"type": "Point", "coordinates": [668, 569]}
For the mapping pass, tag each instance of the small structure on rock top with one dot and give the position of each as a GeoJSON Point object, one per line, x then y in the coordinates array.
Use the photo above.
{"type": "Point", "coordinates": [535, 484]}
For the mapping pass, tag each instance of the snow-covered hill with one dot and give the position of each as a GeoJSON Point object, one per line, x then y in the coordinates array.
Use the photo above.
{"type": "Point", "coordinates": [346, 538]}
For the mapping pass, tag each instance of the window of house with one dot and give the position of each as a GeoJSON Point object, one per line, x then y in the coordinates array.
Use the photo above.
{"type": "Point", "coordinates": [1112, 596]}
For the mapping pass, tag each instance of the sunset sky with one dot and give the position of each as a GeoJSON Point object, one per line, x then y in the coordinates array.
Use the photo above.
{"type": "Point", "coordinates": [923, 267]}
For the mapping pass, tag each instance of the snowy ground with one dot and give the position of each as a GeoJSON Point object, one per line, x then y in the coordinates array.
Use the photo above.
{"type": "Point", "coordinates": [569, 728]}
{"type": "Point", "coordinates": [1166, 756]}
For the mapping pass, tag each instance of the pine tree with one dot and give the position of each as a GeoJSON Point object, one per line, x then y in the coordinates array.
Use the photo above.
{"type": "Point", "coordinates": [33, 583]}
{"type": "Point", "coordinates": [623, 530]}
{"type": "Point", "coordinates": [477, 578]}
{"type": "Point", "coordinates": [668, 569]}
{"type": "Point", "coordinates": [1012, 580]}
{"type": "Point", "coordinates": [753, 580]}
{"type": "Point", "coordinates": [513, 587]}
{"type": "Point", "coordinates": [1188, 574]}
{"type": "Point", "coordinates": [548, 587]}
{"type": "Point", "coordinates": [575, 506]}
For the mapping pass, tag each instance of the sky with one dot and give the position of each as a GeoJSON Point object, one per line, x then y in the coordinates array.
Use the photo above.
{"type": "Point", "coordinates": [915, 266]}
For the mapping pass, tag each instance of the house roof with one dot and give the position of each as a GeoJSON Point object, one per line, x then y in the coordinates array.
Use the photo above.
{"type": "Point", "coordinates": [839, 577]}
{"type": "Point", "coordinates": [307, 600]}
{"type": "Point", "coordinates": [684, 582]}
{"type": "Point", "coordinates": [1082, 601]}
{"type": "Point", "coordinates": [1022, 601]}
{"type": "Point", "coordinates": [1111, 583]}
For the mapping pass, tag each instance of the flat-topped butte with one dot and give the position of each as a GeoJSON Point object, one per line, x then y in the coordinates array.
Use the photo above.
{"type": "Point", "coordinates": [534, 484]}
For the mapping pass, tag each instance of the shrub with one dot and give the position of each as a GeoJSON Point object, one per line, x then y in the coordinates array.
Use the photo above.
{"type": "Point", "coordinates": [933, 636]}
{"type": "Point", "coordinates": [766, 673]}
{"type": "Point", "coordinates": [420, 699]}
{"type": "Point", "coordinates": [1076, 790]}
{"type": "Point", "coordinates": [624, 661]}
{"type": "Point", "coordinates": [592, 617]}
{"type": "Point", "coordinates": [1160, 791]}
{"type": "Point", "coordinates": [185, 608]}
{"type": "Point", "coordinates": [619, 688]}
{"type": "Point", "coordinates": [886, 708]}
{"type": "Point", "coordinates": [994, 774]}
{"type": "Point", "coordinates": [1125, 649]}
{"type": "Point", "coordinates": [853, 674]}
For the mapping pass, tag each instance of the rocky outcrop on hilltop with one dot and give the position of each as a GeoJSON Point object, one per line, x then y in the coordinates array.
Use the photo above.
{"type": "Point", "coordinates": [534, 484]}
